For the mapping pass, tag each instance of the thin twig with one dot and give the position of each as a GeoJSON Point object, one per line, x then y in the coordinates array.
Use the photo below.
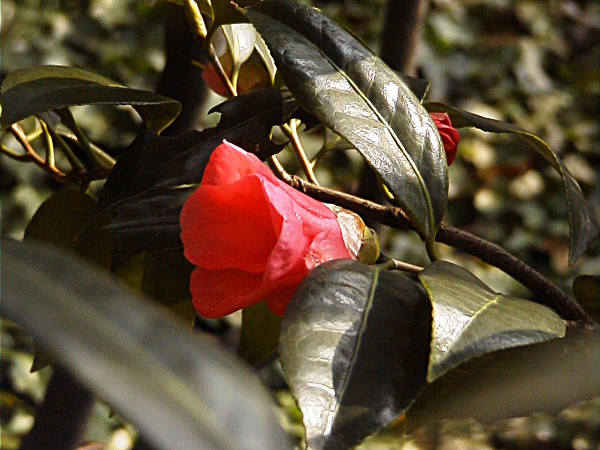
{"type": "Point", "coordinates": [66, 116]}
{"type": "Point", "coordinates": [291, 131]}
{"type": "Point", "coordinates": [75, 163]}
{"type": "Point", "coordinates": [214, 61]}
{"type": "Point", "coordinates": [32, 155]}
{"type": "Point", "coordinates": [545, 292]}
{"type": "Point", "coordinates": [50, 159]}
{"type": "Point", "coordinates": [76, 176]}
{"type": "Point", "coordinates": [14, 155]}
{"type": "Point", "coordinates": [394, 264]}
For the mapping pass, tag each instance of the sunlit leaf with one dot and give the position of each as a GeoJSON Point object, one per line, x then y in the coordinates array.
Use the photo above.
{"type": "Point", "coordinates": [354, 347]}
{"type": "Point", "coordinates": [470, 319]}
{"type": "Point", "coordinates": [581, 220]}
{"type": "Point", "coordinates": [194, 18]}
{"type": "Point", "coordinates": [265, 55]}
{"type": "Point", "coordinates": [336, 78]}
{"type": "Point", "coordinates": [241, 38]}
{"type": "Point", "coordinates": [33, 90]}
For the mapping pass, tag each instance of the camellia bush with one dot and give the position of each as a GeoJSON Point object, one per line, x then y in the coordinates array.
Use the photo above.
{"type": "Point", "coordinates": [211, 222]}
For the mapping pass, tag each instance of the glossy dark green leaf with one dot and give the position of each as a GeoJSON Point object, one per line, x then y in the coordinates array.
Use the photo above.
{"type": "Point", "coordinates": [516, 382]}
{"type": "Point", "coordinates": [586, 289]}
{"type": "Point", "coordinates": [155, 175]}
{"type": "Point", "coordinates": [336, 78]}
{"type": "Point", "coordinates": [581, 220]}
{"type": "Point", "coordinates": [354, 347]}
{"type": "Point", "coordinates": [180, 390]}
{"type": "Point", "coordinates": [259, 334]}
{"type": "Point", "coordinates": [149, 221]}
{"type": "Point", "coordinates": [33, 90]}
{"type": "Point", "coordinates": [153, 162]}
{"type": "Point", "coordinates": [470, 319]}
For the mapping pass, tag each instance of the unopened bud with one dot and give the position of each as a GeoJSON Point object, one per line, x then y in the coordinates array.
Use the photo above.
{"type": "Point", "coordinates": [361, 242]}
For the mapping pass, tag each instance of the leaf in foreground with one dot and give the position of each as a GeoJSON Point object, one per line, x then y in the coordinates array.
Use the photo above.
{"type": "Point", "coordinates": [470, 319]}
{"type": "Point", "coordinates": [34, 90]}
{"type": "Point", "coordinates": [178, 389]}
{"type": "Point", "coordinates": [582, 223]}
{"type": "Point", "coordinates": [354, 347]}
{"type": "Point", "coordinates": [336, 78]}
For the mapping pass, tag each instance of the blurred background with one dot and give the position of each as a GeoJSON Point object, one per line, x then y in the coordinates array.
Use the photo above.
{"type": "Point", "coordinates": [534, 63]}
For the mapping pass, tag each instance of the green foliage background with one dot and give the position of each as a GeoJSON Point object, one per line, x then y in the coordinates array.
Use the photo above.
{"type": "Point", "coordinates": [533, 63]}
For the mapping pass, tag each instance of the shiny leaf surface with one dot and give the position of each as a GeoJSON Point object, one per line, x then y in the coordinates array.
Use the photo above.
{"type": "Point", "coordinates": [470, 319]}
{"type": "Point", "coordinates": [241, 38]}
{"type": "Point", "coordinates": [33, 90]}
{"type": "Point", "coordinates": [336, 78]}
{"type": "Point", "coordinates": [354, 347]}
{"type": "Point", "coordinates": [581, 220]}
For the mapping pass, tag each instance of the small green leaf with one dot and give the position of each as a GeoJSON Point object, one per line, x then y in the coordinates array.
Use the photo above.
{"type": "Point", "coordinates": [344, 84]}
{"type": "Point", "coordinates": [265, 55]}
{"type": "Point", "coordinates": [581, 220]}
{"type": "Point", "coordinates": [259, 334]}
{"type": "Point", "coordinates": [354, 347]}
{"type": "Point", "coordinates": [470, 319]}
{"type": "Point", "coordinates": [34, 90]}
{"type": "Point", "coordinates": [587, 292]}
{"type": "Point", "coordinates": [241, 38]}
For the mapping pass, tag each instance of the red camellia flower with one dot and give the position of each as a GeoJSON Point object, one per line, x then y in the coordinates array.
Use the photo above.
{"type": "Point", "coordinates": [251, 236]}
{"type": "Point", "coordinates": [450, 136]}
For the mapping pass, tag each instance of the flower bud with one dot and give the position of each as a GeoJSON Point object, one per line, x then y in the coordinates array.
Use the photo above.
{"type": "Point", "coordinates": [360, 240]}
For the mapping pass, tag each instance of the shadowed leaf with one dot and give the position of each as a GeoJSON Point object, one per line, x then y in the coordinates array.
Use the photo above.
{"type": "Point", "coordinates": [545, 377]}
{"type": "Point", "coordinates": [166, 279]}
{"type": "Point", "coordinates": [586, 289]}
{"type": "Point", "coordinates": [581, 221]}
{"type": "Point", "coordinates": [33, 90]}
{"type": "Point", "coordinates": [259, 334]}
{"type": "Point", "coordinates": [155, 175]}
{"type": "Point", "coordinates": [354, 347]}
{"type": "Point", "coordinates": [178, 389]}
{"type": "Point", "coordinates": [470, 319]}
{"type": "Point", "coordinates": [336, 78]}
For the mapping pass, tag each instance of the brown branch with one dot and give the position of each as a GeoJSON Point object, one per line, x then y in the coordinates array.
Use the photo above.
{"type": "Point", "coordinates": [545, 292]}
{"type": "Point", "coordinates": [76, 176]}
